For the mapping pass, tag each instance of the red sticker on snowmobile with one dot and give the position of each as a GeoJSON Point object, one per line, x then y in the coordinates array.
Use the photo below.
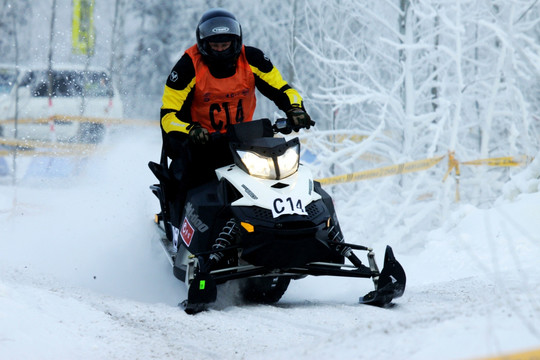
{"type": "Point", "coordinates": [187, 232]}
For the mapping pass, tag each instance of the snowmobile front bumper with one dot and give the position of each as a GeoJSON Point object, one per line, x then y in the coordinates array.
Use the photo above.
{"type": "Point", "coordinates": [389, 283]}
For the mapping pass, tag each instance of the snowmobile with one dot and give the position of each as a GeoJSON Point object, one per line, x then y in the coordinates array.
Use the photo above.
{"type": "Point", "coordinates": [263, 221]}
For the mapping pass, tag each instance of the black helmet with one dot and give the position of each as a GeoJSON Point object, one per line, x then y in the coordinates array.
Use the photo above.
{"type": "Point", "coordinates": [219, 25]}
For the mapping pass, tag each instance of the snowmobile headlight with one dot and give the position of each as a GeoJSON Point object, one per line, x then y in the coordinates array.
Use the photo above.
{"type": "Point", "coordinates": [288, 162]}
{"type": "Point", "coordinates": [272, 165]}
{"type": "Point", "coordinates": [260, 166]}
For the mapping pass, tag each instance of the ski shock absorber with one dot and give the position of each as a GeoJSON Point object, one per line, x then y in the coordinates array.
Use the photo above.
{"type": "Point", "coordinates": [225, 238]}
{"type": "Point", "coordinates": [335, 236]}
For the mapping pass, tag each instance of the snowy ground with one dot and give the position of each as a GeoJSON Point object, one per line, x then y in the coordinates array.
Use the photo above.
{"type": "Point", "coordinates": [82, 276]}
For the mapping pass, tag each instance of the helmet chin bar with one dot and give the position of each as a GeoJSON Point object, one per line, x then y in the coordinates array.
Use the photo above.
{"type": "Point", "coordinates": [213, 57]}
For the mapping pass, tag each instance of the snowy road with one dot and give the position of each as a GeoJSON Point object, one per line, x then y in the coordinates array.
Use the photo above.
{"type": "Point", "coordinates": [82, 276]}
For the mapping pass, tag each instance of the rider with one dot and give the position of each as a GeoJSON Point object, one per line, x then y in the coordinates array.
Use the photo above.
{"type": "Point", "coordinates": [211, 87]}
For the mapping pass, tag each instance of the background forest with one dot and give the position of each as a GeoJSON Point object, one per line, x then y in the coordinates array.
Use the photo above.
{"type": "Point", "coordinates": [388, 82]}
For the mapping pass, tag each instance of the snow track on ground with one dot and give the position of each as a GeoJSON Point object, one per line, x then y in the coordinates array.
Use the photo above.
{"type": "Point", "coordinates": [83, 276]}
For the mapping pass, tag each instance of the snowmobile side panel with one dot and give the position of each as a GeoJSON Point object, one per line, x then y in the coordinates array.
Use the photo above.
{"type": "Point", "coordinates": [202, 218]}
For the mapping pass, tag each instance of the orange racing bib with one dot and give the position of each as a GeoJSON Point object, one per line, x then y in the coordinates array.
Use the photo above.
{"type": "Point", "coordinates": [218, 103]}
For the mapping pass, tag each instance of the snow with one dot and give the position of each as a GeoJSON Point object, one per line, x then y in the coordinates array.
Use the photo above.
{"type": "Point", "coordinates": [82, 276]}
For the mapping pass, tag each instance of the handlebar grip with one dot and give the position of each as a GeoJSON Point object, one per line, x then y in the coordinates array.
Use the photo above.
{"type": "Point", "coordinates": [216, 135]}
{"type": "Point", "coordinates": [282, 125]}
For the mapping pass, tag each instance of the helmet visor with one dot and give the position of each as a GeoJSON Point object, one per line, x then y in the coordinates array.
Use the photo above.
{"type": "Point", "coordinates": [219, 26]}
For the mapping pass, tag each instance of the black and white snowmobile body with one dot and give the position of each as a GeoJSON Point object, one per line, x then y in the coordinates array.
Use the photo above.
{"type": "Point", "coordinates": [264, 221]}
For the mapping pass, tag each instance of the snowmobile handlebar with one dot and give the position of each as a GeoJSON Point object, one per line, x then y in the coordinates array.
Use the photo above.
{"type": "Point", "coordinates": [281, 125]}
{"type": "Point", "coordinates": [284, 126]}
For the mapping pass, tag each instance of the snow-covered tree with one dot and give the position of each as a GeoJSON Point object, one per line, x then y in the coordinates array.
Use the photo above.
{"type": "Point", "coordinates": [12, 29]}
{"type": "Point", "coordinates": [387, 82]}
{"type": "Point", "coordinates": [420, 79]}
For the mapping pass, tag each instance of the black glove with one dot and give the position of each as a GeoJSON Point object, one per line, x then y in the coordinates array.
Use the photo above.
{"type": "Point", "coordinates": [298, 119]}
{"type": "Point", "coordinates": [198, 135]}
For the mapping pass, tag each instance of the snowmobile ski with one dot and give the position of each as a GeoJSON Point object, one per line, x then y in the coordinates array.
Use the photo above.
{"type": "Point", "coordinates": [389, 285]}
{"type": "Point", "coordinates": [202, 291]}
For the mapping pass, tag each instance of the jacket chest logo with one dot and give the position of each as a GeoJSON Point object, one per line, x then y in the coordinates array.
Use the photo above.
{"type": "Point", "coordinates": [208, 97]}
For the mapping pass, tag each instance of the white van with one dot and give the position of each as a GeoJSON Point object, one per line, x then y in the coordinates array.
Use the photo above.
{"type": "Point", "coordinates": [82, 100]}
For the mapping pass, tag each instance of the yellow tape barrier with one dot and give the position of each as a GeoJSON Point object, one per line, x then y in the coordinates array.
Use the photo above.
{"type": "Point", "coordinates": [500, 161]}
{"type": "Point", "coordinates": [31, 144]}
{"type": "Point", "coordinates": [27, 148]}
{"type": "Point", "coordinates": [70, 118]}
{"type": "Point", "coordinates": [420, 165]}
{"type": "Point", "coordinates": [404, 168]}
{"type": "Point", "coordinates": [453, 164]}
{"type": "Point", "coordinates": [527, 355]}
{"type": "Point", "coordinates": [66, 149]}
{"type": "Point", "coordinates": [350, 137]}
{"type": "Point", "coordinates": [505, 161]}
{"type": "Point", "coordinates": [54, 153]}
